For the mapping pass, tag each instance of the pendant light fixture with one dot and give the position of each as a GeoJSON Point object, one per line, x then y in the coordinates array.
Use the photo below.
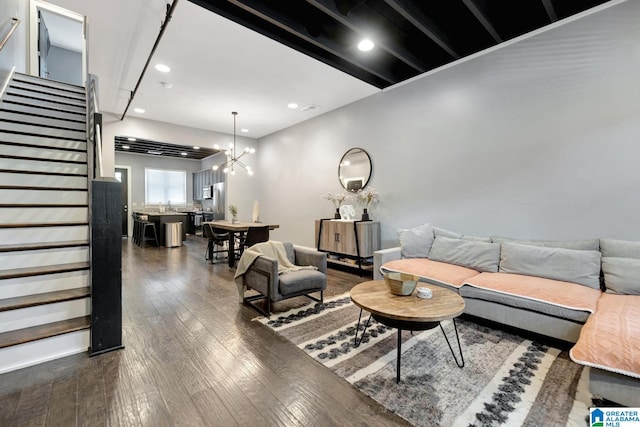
{"type": "Point", "coordinates": [231, 153]}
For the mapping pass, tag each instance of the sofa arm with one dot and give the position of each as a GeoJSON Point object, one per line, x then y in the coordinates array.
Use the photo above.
{"type": "Point", "coordinates": [263, 276]}
{"type": "Point", "coordinates": [310, 256]}
{"type": "Point", "coordinates": [383, 256]}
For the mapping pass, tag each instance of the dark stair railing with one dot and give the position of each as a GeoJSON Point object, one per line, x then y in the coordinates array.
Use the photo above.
{"type": "Point", "coordinates": [14, 25]}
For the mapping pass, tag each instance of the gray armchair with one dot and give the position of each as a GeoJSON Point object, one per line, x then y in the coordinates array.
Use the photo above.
{"type": "Point", "coordinates": [262, 276]}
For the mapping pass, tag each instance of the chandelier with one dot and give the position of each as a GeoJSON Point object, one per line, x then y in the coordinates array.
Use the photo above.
{"type": "Point", "coordinates": [231, 153]}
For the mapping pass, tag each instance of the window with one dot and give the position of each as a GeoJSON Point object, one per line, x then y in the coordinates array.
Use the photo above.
{"type": "Point", "coordinates": [164, 186]}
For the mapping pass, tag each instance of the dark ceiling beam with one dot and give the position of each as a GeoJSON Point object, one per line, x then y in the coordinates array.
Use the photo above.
{"type": "Point", "coordinates": [332, 50]}
{"type": "Point", "coordinates": [392, 48]}
{"type": "Point", "coordinates": [143, 146]}
{"type": "Point", "coordinates": [548, 6]}
{"type": "Point", "coordinates": [412, 14]}
{"type": "Point", "coordinates": [484, 20]}
{"type": "Point", "coordinates": [346, 6]}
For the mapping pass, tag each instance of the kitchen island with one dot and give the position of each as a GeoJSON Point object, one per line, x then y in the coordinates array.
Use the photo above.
{"type": "Point", "coordinates": [160, 219]}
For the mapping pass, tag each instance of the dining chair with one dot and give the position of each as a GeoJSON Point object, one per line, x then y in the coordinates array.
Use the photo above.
{"type": "Point", "coordinates": [254, 235]}
{"type": "Point", "coordinates": [218, 239]}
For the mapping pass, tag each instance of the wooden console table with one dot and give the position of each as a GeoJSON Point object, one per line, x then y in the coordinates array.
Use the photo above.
{"type": "Point", "coordinates": [356, 240]}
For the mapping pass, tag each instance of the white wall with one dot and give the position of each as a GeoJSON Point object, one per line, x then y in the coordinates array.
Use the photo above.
{"type": "Point", "coordinates": [538, 139]}
{"type": "Point", "coordinates": [65, 65]}
{"type": "Point", "coordinates": [14, 53]}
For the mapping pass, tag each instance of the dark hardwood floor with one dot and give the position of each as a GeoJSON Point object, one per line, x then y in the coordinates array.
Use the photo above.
{"type": "Point", "coordinates": [193, 357]}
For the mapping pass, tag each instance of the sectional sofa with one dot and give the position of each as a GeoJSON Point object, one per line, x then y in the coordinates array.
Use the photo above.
{"type": "Point", "coordinates": [585, 292]}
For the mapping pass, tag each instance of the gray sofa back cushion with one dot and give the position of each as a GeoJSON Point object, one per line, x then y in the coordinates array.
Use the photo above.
{"type": "Point", "coordinates": [568, 265]}
{"type": "Point", "coordinates": [288, 247]}
{"type": "Point", "coordinates": [474, 254]}
{"type": "Point", "coordinates": [584, 245]}
{"type": "Point", "coordinates": [621, 275]}
{"type": "Point", "coordinates": [416, 242]}
{"type": "Point", "coordinates": [619, 248]}
{"type": "Point", "coordinates": [477, 238]}
{"type": "Point", "coordinates": [443, 232]}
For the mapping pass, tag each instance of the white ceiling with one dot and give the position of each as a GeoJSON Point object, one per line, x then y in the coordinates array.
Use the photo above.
{"type": "Point", "coordinates": [217, 67]}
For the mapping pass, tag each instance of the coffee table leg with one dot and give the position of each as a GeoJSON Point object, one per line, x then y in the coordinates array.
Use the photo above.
{"type": "Point", "coordinates": [461, 363]}
{"type": "Point", "coordinates": [399, 354]}
{"type": "Point", "coordinates": [356, 343]}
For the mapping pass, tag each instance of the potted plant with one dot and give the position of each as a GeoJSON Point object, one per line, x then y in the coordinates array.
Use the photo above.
{"type": "Point", "coordinates": [337, 200]}
{"type": "Point", "coordinates": [366, 197]}
{"type": "Point", "coordinates": [233, 210]}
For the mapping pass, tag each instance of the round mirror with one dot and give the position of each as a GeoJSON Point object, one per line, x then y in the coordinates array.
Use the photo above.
{"type": "Point", "coordinates": [354, 170]}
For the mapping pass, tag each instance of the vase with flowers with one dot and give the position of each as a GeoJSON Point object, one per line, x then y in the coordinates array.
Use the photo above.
{"type": "Point", "coordinates": [233, 210]}
{"type": "Point", "coordinates": [337, 200]}
{"type": "Point", "coordinates": [366, 197]}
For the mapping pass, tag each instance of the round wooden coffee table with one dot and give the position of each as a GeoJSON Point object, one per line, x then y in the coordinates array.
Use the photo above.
{"type": "Point", "coordinates": [408, 312]}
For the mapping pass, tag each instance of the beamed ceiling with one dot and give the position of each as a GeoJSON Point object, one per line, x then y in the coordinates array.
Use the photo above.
{"type": "Point", "coordinates": [411, 36]}
{"type": "Point", "coordinates": [155, 148]}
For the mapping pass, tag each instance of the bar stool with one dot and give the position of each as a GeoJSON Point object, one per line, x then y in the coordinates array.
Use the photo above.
{"type": "Point", "coordinates": [138, 225]}
{"type": "Point", "coordinates": [136, 228]}
{"type": "Point", "coordinates": [148, 225]}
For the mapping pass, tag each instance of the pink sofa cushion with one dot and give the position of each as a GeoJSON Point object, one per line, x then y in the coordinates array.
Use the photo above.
{"type": "Point", "coordinates": [432, 271]}
{"type": "Point", "coordinates": [563, 294]}
{"type": "Point", "coordinates": [610, 339]}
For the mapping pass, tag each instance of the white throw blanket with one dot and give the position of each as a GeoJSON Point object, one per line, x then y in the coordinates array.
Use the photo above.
{"type": "Point", "coordinates": [271, 249]}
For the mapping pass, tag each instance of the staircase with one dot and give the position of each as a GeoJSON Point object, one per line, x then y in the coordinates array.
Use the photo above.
{"type": "Point", "coordinates": [44, 223]}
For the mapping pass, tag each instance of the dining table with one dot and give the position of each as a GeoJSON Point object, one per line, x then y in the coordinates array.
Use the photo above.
{"type": "Point", "coordinates": [236, 229]}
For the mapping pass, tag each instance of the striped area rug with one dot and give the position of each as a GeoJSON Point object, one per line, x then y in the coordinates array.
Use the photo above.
{"type": "Point", "coordinates": [507, 380]}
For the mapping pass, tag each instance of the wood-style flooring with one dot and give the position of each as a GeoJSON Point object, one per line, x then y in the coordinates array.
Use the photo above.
{"type": "Point", "coordinates": [193, 357]}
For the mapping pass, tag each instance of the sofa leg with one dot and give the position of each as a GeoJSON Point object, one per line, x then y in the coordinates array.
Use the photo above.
{"type": "Point", "coordinates": [248, 301]}
{"type": "Point", "coordinates": [320, 300]}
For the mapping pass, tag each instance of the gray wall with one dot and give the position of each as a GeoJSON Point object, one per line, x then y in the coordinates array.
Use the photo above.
{"type": "Point", "coordinates": [537, 139]}
{"type": "Point", "coordinates": [65, 65]}
{"type": "Point", "coordinates": [14, 53]}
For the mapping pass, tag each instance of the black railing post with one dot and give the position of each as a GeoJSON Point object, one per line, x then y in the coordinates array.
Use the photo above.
{"type": "Point", "coordinates": [106, 266]}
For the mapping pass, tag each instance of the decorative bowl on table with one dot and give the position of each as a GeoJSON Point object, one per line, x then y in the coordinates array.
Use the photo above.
{"type": "Point", "coordinates": [401, 283]}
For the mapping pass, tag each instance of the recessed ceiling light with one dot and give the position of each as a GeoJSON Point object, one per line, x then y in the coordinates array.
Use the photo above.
{"type": "Point", "coordinates": [366, 45]}
{"type": "Point", "coordinates": [162, 68]}
{"type": "Point", "coordinates": [166, 85]}
{"type": "Point", "coordinates": [196, 147]}
{"type": "Point", "coordinates": [126, 147]}
{"type": "Point", "coordinates": [244, 130]}
{"type": "Point", "coordinates": [139, 110]}
{"type": "Point", "coordinates": [292, 105]}
{"type": "Point", "coordinates": [154, 152]}
{"type": "Point", "coordinates": [183, 154]}
{"type": "Point", "coordinates": [131, 139]}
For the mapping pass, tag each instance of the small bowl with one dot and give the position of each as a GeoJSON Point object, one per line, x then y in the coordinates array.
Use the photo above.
{"type": "Point", "coordinates": [401, 283]}
{"type": "Point", "coordinates": [425, 293]}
